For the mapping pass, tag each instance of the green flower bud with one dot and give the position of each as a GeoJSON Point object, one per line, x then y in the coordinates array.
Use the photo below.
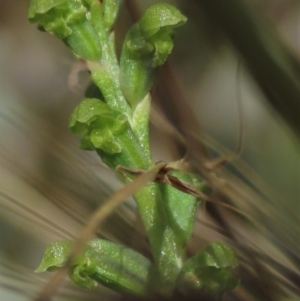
{"type": "Point", "coordinates": [69, 21]}
{"type": "Point", "coordinates": [108, 132]}
{"type": "Point", "coordinates": [99, 125]}
{"type": "Point", "coordinates": [209, 272]}
{"type": "Point", "coordinates": [147, 46]}
{"type": "Point", "coordinates": [108, 263]}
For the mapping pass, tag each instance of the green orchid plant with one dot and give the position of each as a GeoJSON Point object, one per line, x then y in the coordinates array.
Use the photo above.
{"type": "Point", "coordinates": [113, 121]}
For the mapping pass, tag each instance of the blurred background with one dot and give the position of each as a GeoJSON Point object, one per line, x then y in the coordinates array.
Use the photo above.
{"type": "Point", "coordinates": [48, 187]}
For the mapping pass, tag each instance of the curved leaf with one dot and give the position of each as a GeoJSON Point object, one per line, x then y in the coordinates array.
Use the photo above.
{"type": "Point", "coordinates": [181, 207]}
{"type": "Point", "coordinates": [55, 256]}
{"type": "Point", "coordinates": [111, 9]}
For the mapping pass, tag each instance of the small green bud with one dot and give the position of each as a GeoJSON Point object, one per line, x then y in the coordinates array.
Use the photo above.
{"type": "Point", "coordinates": [209, 272]}
{"type": "Point", "coordinates": [147, 46]}
{"type": "Point", "coordinates": [69, 21]}
{"type": "Point", "coordinates": [104, 262]}
{"type": "Point", "coordinates": [99, 124]}
{"type": "Point", "coordinates": [160, 16]}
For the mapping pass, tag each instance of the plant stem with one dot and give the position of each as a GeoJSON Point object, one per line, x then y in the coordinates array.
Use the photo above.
{"type": "Point", "coordinates": [167, 252]}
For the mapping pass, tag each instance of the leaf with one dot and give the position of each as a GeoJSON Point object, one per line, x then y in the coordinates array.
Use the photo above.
{"type": "Point", "coordinates": [147, 45]}
{"type": "Point", "coordinates": [111, 9]}
{"type": "Point", "coordinates": [181, 207]}
{"type": "Point", "coordinates": [209, 272]}
{"type": "Point", "coordinates": [55, 256]}
{"type": "Point", "coordinates": [140, 125]}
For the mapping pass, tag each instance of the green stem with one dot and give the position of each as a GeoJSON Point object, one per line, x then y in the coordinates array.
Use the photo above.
{"type": "Point", "coordinates": [167, 251]}
{"type": "Point", "coordinates": [105, 74]}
